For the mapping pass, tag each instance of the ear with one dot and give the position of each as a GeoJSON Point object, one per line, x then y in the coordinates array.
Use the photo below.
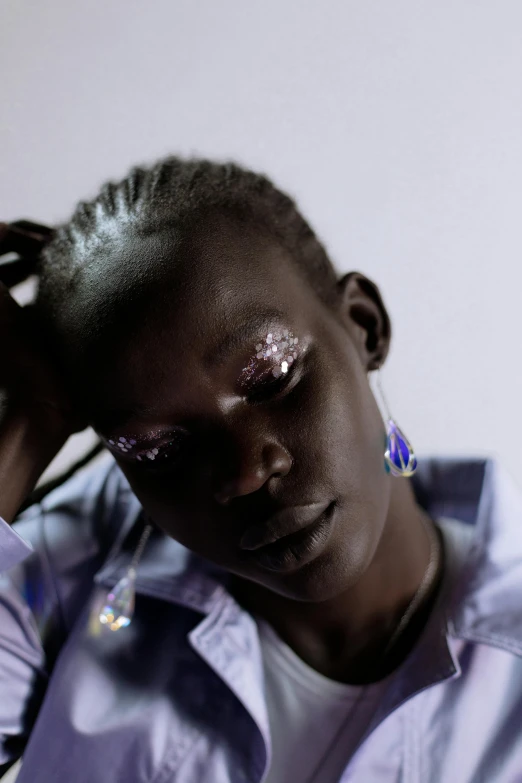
{"type": "Point", "coordinates": [362, 311]}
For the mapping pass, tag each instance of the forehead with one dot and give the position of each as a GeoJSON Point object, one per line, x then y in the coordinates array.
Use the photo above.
{"type": "Point", "coordinates": [203, 298]}
{"type": "Point", "coordinates": [217, 277]}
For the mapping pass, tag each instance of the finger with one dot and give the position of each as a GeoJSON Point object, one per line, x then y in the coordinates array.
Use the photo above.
{"type": "Point", "coordinates": [15, 272]}
{"type": "Point", "coordinates": [38, 229]}
{"type": "Point", "coordinates": [14, 238]}
{"type": "Point", "coordinates": [7, 303]}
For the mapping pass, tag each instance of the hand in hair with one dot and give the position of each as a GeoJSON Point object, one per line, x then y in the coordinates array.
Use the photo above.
{"type": "Point", "coordinates": [36, 416]}
{"type": "Point", "coordinates": [27, 240]}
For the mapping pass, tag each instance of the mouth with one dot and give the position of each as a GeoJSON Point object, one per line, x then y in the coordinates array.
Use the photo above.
{"type": "Point", "coordinates": [293, 550]}
{"type": "Point", "coordinates": [283, 524]}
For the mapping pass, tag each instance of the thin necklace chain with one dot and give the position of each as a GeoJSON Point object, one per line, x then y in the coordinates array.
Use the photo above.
{"type": "Point", "coordinates": [431, 570]}
{"type": "Point", "coordinates": [429, 574]}
{"type": "Point", "coordinates": [147, 530]}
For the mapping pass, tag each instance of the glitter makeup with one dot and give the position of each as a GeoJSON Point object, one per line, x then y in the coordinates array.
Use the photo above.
{"type": "Point", "coordinates": [273, 357]}
{"type": "Point", "coordinates": [154, 446]}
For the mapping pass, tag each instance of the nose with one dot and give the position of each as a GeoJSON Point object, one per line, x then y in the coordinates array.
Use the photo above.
{"type": "Point", "coordinates": [257, 463]}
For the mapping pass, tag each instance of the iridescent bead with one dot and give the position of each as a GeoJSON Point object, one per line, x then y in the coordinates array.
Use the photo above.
{"type": "Point", "coordinates": [119, 608]}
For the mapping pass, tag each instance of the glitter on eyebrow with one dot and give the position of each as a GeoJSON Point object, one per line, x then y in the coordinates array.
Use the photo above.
{"type": "Point", "coordinates": [284, 367]}
{"type": "Point", "coordinates": [132, 442]}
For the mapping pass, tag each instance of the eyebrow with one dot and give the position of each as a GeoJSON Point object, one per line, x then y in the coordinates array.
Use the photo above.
{"type": "Point", "coordinates": [117, 418]}
{"type": "Point", "coordinates": [232, 342]}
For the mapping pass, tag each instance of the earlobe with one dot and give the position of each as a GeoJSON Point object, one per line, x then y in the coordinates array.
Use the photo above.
{"type": "Point", "coordinates": [363, 311]}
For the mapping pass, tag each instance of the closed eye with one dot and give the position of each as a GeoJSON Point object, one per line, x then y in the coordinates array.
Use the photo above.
{"type": "Point", "coordinates": [161, 456]}
{"type": "Point", "coordinates": [268, 389]}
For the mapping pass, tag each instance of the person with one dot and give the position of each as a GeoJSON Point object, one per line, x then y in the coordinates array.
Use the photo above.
{"type": "Point", "coordinates": [256, 580]}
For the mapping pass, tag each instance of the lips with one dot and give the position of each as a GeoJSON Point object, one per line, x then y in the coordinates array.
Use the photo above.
{"type": "Point", "coordinates": [282, 524]}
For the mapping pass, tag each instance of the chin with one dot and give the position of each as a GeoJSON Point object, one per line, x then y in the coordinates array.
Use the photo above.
{"type": "Point", "coordinates": [320, 580]}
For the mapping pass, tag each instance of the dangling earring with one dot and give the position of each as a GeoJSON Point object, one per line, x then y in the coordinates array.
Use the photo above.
{"type": "Point", "coordinates": [399, 457]}
{"type": "Point", "coordinates": [119, 604]}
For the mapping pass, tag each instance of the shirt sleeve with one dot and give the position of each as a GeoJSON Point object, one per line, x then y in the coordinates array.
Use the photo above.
{"type": "Point", "coordinates": [13, 548]}
{"type": "Point", "coordinates": [47, 563]}
{"type": "Point", "coordinates": [22, 659]}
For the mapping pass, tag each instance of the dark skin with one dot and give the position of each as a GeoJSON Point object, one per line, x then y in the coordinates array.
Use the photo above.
{"type": "Point", "coordinates": [239, 456]}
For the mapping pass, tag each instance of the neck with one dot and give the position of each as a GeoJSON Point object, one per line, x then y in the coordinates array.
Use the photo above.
{"type": "Point", "coordinates": [344, 636]}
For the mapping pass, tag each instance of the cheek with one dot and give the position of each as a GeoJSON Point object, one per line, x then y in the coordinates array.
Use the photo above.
{"type": "Point", "coordinates": [347, 414]}
{"type": "Point", "coordinates": [183, 520]}
{"type": "Point", "coordinates": [357, 437]}
{"type": "Point", "coordinates": [344, 439]}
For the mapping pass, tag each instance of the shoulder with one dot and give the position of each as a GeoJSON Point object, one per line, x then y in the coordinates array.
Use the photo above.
{"type": "Point", "coordinates": [72, 530]}
{"type": "Point", "coordinates": [486, 537]}
{"type": "Point", "coordinates": [90, 503]}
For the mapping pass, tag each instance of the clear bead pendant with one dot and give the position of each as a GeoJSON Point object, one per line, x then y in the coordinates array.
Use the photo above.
{"type": "Point", "coordinates": [399, 455]}
{"type": "Point", "coordinates": [119, 604]}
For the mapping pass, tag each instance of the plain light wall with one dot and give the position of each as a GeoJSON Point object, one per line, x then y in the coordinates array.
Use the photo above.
{"type": "Point", "coordinates": [397, 126]}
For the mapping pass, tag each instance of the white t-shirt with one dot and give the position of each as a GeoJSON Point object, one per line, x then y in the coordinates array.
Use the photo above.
{"type": "Point", "coordinates": [306, 711]}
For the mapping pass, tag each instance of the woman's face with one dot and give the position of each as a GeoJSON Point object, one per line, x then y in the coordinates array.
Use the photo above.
{"type": "Point", "coordinates": [234, 395]}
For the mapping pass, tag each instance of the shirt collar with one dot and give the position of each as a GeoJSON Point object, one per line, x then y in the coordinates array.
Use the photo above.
{"type": "Point", "coordinates": [477, 505]}
{"type": "Point", "coordinates": [484, 604]}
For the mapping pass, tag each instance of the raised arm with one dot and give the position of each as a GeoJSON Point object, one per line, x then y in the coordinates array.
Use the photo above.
{"type": "Point", "coordinates": [35, 421]}
{"type": "Point", "coordinates": [36, 417]}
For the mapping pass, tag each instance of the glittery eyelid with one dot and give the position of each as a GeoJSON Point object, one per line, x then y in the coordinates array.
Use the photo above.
{"type": "Point", "coordinates": [123, 444]}
{"type": "Point", "coordinates": [280, 346]}
{"type": "Point", "coordinates": [127, 445]}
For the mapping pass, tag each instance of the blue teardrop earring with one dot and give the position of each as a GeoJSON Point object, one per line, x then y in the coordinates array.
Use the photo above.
{"type": "Point", "coordinates": [399, 457]}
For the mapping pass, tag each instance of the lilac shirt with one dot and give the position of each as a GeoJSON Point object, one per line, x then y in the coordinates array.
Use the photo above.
{"type": "Point", "coordinates": [177, 697]}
